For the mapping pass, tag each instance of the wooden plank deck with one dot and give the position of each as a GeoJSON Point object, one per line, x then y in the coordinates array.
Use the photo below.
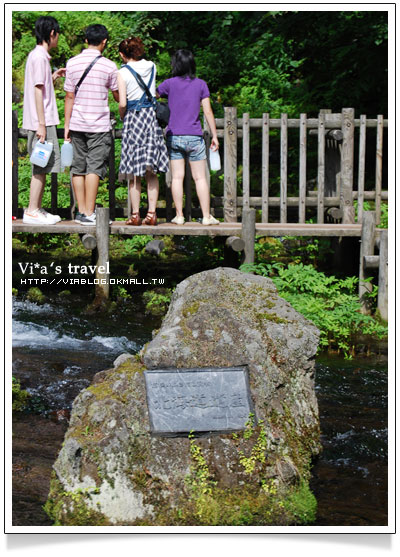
{"type": "Point", "coordinates": [197, 229]}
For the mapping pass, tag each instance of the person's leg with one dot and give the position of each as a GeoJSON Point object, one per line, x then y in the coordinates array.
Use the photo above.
{"type": "Point", "coordinates": [198, 169]}
{"type": "Point", "coordinates": [152, 190]}
{"type": "Point", "coordinates": [98, 152]}
{"type": "Point", "coordinates": [36, 192]}
{"type": "Point", "coordinates": [78, 169]}
{"type": "Point", "coordinates": [178, 173]}
{"type": "Point", "coordinates": [91, 188]}
{"type": "Point", "coordinates": [135, 188]}
{"type": "Point", "coordinates": [78, 183]}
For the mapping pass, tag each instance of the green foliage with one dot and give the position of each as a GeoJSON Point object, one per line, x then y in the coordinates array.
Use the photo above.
{"type": "Point", "coordinates": [301, 504]}
{"type": "Point", "coordinates": [258, 451]}
{"type": "Point", "coordinates": [35, 295]}
{"type": "Point", "coordinates": [257, 61]}
{"type": "Point", "coordinates": [157, 300]}
{"type": "Point", "coordinates": [332, 304]}
{"type": "Point", "coordinates": [370, 206]}
{"type": "Point", "coordinates": [258, 501]}
{"type": "Point", "coordinates": [136, 243]}
{"type": "Point", "coordinates": [291, 249]}
{"type": "Point", "coordinates": [20, 397]}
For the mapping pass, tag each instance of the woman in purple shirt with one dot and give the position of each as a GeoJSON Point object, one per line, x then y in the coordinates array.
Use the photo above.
{"type": "Point", "coordinates": [186, 93]}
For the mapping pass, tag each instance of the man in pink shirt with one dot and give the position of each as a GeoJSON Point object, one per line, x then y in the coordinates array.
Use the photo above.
{"type": "Point", "coordinates": [87, 119]}
{"type": "Point", "coordinates": [40, 116]}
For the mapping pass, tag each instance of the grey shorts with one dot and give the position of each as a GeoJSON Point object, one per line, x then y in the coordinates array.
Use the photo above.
{"type": "Point", "coordinates": [54, 161]}
{"type": "Point", "coordinates": [91, 153]}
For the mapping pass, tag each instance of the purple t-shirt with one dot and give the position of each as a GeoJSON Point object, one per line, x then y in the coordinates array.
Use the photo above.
{"type": "Point", "coordinates": [184, 97]}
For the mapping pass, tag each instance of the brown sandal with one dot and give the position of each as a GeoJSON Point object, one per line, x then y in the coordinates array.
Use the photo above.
{"type": "Point", "coordinates": [134, 220]}
{"type": "Point", "coordinates": [151, 218]}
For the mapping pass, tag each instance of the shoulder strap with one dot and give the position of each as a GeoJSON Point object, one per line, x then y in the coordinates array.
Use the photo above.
{"type": "Point", "coordinates": [90, 66]}
{"type": "Point", "coordinates": [140, 81]}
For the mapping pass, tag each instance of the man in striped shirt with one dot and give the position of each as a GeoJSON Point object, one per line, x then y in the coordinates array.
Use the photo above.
{"type": "Point", "coordinates": [87, 119]}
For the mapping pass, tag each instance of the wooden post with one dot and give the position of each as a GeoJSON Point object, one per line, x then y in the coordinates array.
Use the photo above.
{"type": "Point", "coordinates": [249, 233]}
{"type": "Point", "coordinates": [89, 241]}
{"type": "Point", "coordinates": [265, 168]}
{"type": "Point", "coordinates": [102, 289]}
{"type": "Point", "coordinates": [232, 247]}
{"type": "Point", "coordinates": [361, 167]}
{"type": "Point", "coordinates": [346, 175]}
{"type": "Point", "coordinates": [332, 157]}
{"type": "Point", "coordinates": [366, 248]}
{"type": "Point", "coordinates": [284, 152]}
{"type": "Point", "coordinates": [230, 165]}
{"type": "Point", "coordinates": [246, 161]}
{"type": "Point", "coordinates": [378, 171]}
{"type": "Point", "coordinates": [321, 168]}
{"type": "Point", "coordinates": [15, 163]}
{"type": "Point", "coordinates": [188, 192]}
{"type": "Point", "coordinates": [383, 276]}
{"type": "Point", "coordinates": [303, 168]}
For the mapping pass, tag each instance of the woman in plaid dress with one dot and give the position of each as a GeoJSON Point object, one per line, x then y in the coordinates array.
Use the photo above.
{"type": "Point", "coordinates": [143, 150]}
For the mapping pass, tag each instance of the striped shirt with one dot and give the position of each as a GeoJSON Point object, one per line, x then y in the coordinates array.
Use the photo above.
{"type": "Point", "coordinates": [90, 112]}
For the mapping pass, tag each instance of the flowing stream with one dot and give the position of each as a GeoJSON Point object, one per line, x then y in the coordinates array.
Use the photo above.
{"type": "Point", "coordinates": [56, 352]}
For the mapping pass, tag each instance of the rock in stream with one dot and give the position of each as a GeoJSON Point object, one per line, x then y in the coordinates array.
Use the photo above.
{"type": "Point", "coordinates": [112, 471]}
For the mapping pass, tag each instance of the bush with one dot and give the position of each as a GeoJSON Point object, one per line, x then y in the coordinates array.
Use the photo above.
{"type": "Point", "coordinates": [20, 398]}
{"type": "Point", "coordinates": [330, 303]}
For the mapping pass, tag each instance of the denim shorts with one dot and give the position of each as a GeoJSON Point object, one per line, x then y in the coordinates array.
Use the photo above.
{"type": "Point", "coordinates": [192, 146]}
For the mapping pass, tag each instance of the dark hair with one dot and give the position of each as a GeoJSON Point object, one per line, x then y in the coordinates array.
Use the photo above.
{"type": "Point", "coordinates": [132, 48]}
{"type": "Point", "coordinates": [183, 64]}
{"type": "Point", "coordinates": [95, 34]}
{"type": "Point", "coordinates": [44, 25]}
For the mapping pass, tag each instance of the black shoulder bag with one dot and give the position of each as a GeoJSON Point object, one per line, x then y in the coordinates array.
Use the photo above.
{"type": "Point", "coordinates": [90, 66]}
{"type": "Point", "coordinates": [162, 109]}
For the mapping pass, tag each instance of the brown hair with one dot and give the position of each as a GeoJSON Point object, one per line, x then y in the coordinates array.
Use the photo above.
{"type": "Point", "coordinates": [132, 48]}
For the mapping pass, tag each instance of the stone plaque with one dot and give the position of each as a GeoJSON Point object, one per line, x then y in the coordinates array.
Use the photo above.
{"type": "Point", "coordinates": [200, 400]}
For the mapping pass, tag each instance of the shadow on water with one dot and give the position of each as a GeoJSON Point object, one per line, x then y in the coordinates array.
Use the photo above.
{"type": "Point", "coordinates": [57, 350]}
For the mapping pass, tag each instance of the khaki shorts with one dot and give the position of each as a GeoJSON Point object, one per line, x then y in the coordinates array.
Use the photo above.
{"type": "Point", "coordinates": [55, 160]}
{"type": "Point", "coordinates": [91, 153]}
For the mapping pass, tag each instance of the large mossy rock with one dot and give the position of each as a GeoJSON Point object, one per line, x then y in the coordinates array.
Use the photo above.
{"type": "Point", "coordinates": [111, 470]}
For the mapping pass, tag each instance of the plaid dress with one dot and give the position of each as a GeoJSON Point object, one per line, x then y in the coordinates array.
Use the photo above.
{"type": "Point", "coordinates": [143, 146]}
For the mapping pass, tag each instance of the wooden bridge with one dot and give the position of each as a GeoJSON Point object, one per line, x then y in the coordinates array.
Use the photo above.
{"type": "Point", "coordinates": [327, 199]}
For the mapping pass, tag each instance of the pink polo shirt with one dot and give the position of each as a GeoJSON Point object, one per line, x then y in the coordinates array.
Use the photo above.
{"type": "Point", "coordinates": [90, 112]}
{"type": "Point", "coordinates": [38, 72]}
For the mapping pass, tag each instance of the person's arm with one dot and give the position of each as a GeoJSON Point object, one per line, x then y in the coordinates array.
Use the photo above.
{"type": "Point", "coordinates": [58, 73]}
{"type": "Point", "coordinates": [209, 114]}
{"type": "Point", "coordinates": [122, 96]}
{"type": "Point", "coordinates": [69, 103]}
{"type": "Point", "coordinates": [41, 131]}
{"type": "Point", "coordinates": [115, 95]}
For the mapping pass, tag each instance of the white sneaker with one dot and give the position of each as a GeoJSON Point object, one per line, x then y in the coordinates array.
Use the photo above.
{"type": "Point", "coordinates": [209, 220]}
{"type": "Point", "coordinates": [89, 220]}
{"type": "Point", "coordinates": [50, 217]}
{"type": "Point", "coordinates": [36, 217]}
{"type": "Point", "coordinates": [178, 220]}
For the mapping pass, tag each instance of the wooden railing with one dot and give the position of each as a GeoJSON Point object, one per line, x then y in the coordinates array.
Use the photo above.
{"type": "Point", "coordinates": [335, 167]}
{"type": "Point", "coordinates": [334, 172]}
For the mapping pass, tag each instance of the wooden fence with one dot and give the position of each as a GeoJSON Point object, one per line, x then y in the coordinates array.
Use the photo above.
{"type": "Point", "coordinates": [334, 172]}
{"type": "Point", "coordinates": [332, 198]}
